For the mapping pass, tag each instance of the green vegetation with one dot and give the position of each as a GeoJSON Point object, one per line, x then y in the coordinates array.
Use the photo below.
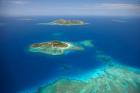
{"type": "Point", "coordinates": [50, 44]}
{"type": "Point", "coordinates": [54, 47]}
{"type": "Point", "coordinates": [51, 47]}
{"type": "Point", "coordinates": [69, 22]}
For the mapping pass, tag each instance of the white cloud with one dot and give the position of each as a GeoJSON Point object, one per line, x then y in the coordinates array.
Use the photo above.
{"type": "Point", "coordinates": [115, 9]}
{"type": "Point", "coordinates": [111, 6]}
{"type": "Point", "coordinates": [118, 6]}
{"type": "Point", "coordinates": [98, 9]}
{"type": "Point", "coordinates": [19, 2]}
{"type": "Point", "coordinates": [103, 9]}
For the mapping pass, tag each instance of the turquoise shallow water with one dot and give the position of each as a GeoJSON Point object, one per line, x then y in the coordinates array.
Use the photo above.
{"type": "Point", "coordinates": [23, 70]}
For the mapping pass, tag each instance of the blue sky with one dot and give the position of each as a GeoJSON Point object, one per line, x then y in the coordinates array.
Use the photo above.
{"type": "Point", "coordinates": [70, 7]}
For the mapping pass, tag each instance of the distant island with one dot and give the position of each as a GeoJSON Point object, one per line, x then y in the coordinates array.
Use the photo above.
{"type": "Point", "coordinates": [54, 47]}
{"type": "Point", "coordinates": [68, 22]}
{"type": "Point", "coordinates": [65, 22]}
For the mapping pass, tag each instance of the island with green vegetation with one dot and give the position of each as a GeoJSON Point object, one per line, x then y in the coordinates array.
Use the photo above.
{"type": "Point", "coordinates": [68, 22]}
{"type": "Point", "coordinates": [51, 44]}
{"type": "Point", "coordinates": [109, 79]}
{"type": "Point", "coordinates": [54, 47]}
{"type": "Point", "coordinates": [57, 47]}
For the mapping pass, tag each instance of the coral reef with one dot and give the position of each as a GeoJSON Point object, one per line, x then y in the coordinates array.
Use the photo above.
{"type": "Point", "coordinates": [114, 79]}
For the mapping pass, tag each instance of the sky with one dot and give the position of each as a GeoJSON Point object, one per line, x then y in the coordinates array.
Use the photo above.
{"type": "Point", "coordinates": [70, 7]}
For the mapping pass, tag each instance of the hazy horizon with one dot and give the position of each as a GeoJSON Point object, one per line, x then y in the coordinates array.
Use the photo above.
{"type": "Point", "coordinates": [73, 7]}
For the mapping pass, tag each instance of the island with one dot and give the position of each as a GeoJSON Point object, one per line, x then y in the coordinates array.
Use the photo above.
{"type": "Point", "coordinates": [54, 47]}
{"type": "Point", "coordinates": [57, 47]}
{"type": "Point", "coordinates": [68, 22]}
{"type": "Point", "coordinates": [51, 44]}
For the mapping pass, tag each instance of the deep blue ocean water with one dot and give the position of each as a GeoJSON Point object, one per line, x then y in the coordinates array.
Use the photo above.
{"type": "Point", "coordinates": [20, 69]}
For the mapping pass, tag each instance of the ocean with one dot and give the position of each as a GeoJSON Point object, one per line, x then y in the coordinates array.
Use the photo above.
{"type": "Point", "coordinates": [118, 37]}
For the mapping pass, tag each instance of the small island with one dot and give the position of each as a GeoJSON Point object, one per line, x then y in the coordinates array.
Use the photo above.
{"type": "Point", "coordinates": [54, 47]}
{"type": "Point", "coordinates": [51, 44]}
{"type": "Point", "coordinates": [68, 22]}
